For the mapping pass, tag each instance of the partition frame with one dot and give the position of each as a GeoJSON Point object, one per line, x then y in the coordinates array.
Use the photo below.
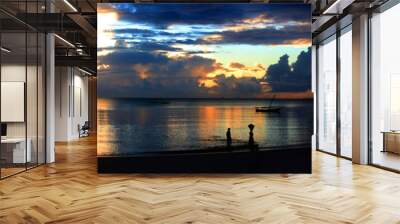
{"type": "Point", "coordinates": [44, 93]}
{"type": "Point", "coordinates": [338, 33]}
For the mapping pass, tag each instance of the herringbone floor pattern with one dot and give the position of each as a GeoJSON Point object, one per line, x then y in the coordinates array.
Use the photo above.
{"type": "Point", "coordinates": [70, 191]}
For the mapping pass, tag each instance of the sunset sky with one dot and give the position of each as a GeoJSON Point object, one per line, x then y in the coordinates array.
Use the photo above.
{"type": "Point", "coordinates": [203, 50]}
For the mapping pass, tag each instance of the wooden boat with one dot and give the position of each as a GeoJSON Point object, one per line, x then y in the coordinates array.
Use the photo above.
{"type": "Point", "coordinates": [268, 109]}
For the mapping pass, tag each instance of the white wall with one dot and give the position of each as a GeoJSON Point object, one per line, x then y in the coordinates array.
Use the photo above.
{"type": "Point", "coordinates": [62, 82]}
{"type": "Point", "coordinates": [71, 102]}
{"type": "Point", "coordinates": [16, 73]}
{"type": "Point", "coordinates": [33, 126]}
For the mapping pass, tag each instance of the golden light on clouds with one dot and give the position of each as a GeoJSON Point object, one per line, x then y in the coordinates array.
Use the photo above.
{"type": "Point", "coordinates": [174, 54]}
{"type": "Point", "coordinates": [104, 52]}
{"type": "Point", "coordinates": [237, 65]}
{"type": "Point", "coordinates": [238, 70]}
{"type": "Point", "coordinates": [262, 18]}
{"type": "Point", "coordinates": [202, 70]}
{"type": "Point", "coordinates": [105, 21]}
{"type": "Point", "coordinates": [213, 37]}
{"type": "Point", "coordinates": [301, 42]}
{"type": "Point", "coordinates": [259, 22]}
{"type": "Point", "coordinates": [142, 71]}
{"type": "Point", "coordinates": [208, 83]}
{"type": "Point", "coordinates": [194, 47]}
{"type": "Point", "coordinates": [102, 67]}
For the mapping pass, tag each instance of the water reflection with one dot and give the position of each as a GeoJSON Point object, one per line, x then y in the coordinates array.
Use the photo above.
{"type": "Point", "coordinates": [127, 126]}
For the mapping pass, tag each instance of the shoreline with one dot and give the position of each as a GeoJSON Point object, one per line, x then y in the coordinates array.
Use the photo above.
{"type": "Point", "coordinates": [213, 149]}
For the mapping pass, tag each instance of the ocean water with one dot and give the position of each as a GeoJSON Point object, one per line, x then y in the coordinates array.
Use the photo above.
{"type": "Point", "coordinates": [129, 126]}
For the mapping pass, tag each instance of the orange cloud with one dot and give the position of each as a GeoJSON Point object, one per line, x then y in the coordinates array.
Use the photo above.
{"type": "Point", "coordinates": [103, 9]}
{"type": "Point", "coordinates": [106, 18]}
{"type": "Point", "coordinates": [260, 66]}
{"type": "Point", "coordinates": [142, 71]}
{"type": "Point", "coordinates": [259, 22]}
{"type": "Point", "coordinates": [301, 42]}
{"type": "Point", "coordinates": [237, 65]}
{"type": "Point", "coordinates": [208, 83]}
{"type": "Point", "coordinates": [103, 67]}
{"type": "Point", "coordinates": [213, 37]}
{"type": "Point", "coordinates": [238, 70]}
{"type": "Point", "coordinates": [219, 66]}
{"type": "Point", "coordinates": [262, 18]}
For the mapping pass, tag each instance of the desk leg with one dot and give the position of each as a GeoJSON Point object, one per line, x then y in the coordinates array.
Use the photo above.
{"type": "Point", "coordinates": [384, 142]}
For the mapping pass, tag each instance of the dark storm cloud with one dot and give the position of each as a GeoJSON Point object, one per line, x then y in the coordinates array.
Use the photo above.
{"type": "Point", "coordinates": [153, 46]}
{"type": "Point", "coordinates": [130, 57]}
{"type": "Point", "coordinates": [167, 77]}
{"type": "Point", "coordinates": [245, 87]}
{"type": "Point", "coordinates": [150, 47]}
{"type": "Point", "coordinates": [267, 36]}
{"type": "Point", "coordinates": [145, 32]}
{"type": "Point", "coordinates": [296, 77]}
{"type": "Point", "coordinates": [180, 77]}
{"type": "Point", "coordinates": [162, 15]}
{"type": "Point", "coordinates": [199, 52]}
{"type": "Point", "coordinates": [286, 23]}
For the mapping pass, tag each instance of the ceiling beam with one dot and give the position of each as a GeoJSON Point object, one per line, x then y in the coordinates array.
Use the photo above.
{"type": "Point", "coordinates": [79, 61]}
{"type": "Point", "coordinates": [89, 30]}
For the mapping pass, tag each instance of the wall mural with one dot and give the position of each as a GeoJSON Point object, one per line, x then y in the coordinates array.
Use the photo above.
{"type": "Point", "coordinates": [206, 83]}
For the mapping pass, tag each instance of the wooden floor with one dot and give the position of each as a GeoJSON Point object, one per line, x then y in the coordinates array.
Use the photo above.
{"type": "Point", "coordinates": [387, 159]}
{"type": "Point", "coordinates": [70, 191]}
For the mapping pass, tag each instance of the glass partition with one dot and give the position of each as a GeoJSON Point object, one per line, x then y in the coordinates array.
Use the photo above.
{"type": "Point", "coordinates": [385, 89]}
{"type": "Point", "coordinates": [327, 95]}
{"type": "Point", "coordinates": [346, 93]}
{"type": "Point", "coordinates": [22, 90]}
{"type": "Point", "coordinates": [14, 153]}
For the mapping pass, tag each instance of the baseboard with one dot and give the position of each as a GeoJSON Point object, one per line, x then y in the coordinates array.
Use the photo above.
{"type": "Point", "coordinates": [294, 160]}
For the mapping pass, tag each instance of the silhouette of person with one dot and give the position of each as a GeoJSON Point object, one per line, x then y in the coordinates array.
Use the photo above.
{"type": "Point", "coordinates": [251, 135]}
{"type": "Point", "coordinates": [228, 137]}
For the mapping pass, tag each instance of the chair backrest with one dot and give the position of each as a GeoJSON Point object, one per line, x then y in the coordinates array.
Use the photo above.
{"type": "Point", "coordinates": [86, 125]}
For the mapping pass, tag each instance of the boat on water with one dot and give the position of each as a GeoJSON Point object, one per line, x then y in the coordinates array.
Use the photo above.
{"type": "Point", "coordinates": [268, 109]}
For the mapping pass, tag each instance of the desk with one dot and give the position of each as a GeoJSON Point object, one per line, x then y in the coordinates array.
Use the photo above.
{"type": "Point", "coordinates": [19, 155]}
{"type": "Point", "coordinates": [391, 141]}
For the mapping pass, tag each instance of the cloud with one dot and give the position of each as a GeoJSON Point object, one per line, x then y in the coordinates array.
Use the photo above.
{"type": "Point", "coordinates": [164, 55]}
{"type": "Point", "coordinates": [283, 77]}
{"type": "Point", "coordinates": [266, 36]}
{"type": "Point", "coordinates": [232, 87]}
{"type": "Point", "coordinates": [140, 74]}
{"type": "Point", "coordinates": [237, 65]}
{"type": "Point", "coordinates": [123, 57]}
{"type": "Point", "coordinates": [262, 24]}
{"type": "Point", "coordinates": [143, 74]}
{"type": "Point", "coordinates": [287, 35]}
{"type": "Point", "coordinates": [154, 46]}
{"type": "Point", "coordinates": [164, 15]}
